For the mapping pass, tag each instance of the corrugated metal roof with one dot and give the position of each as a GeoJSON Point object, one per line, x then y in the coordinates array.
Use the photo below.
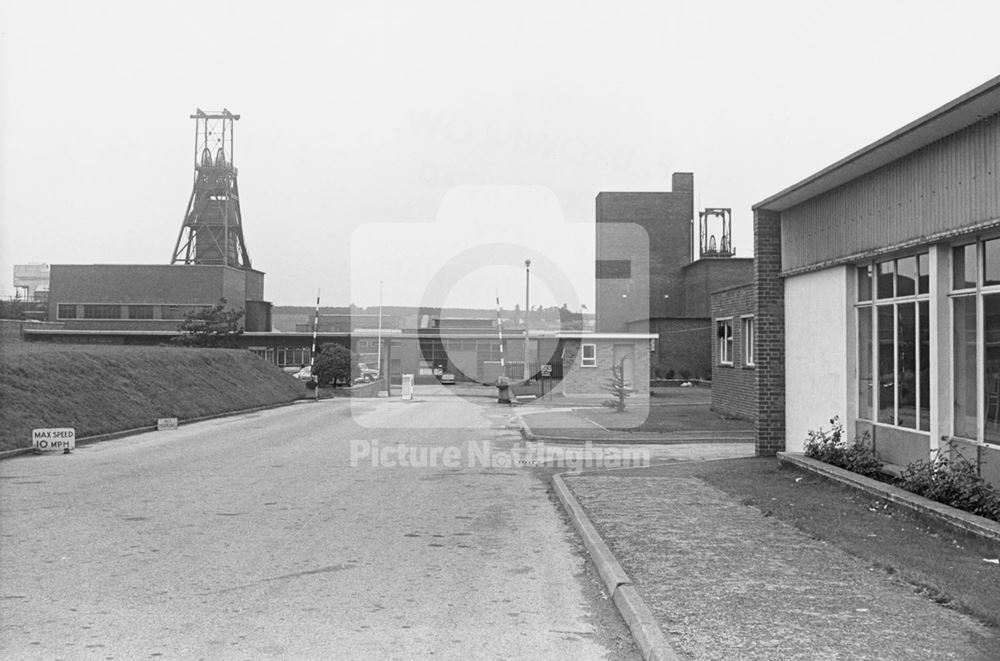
{"type": "Point", "coordinates": [955, 115]}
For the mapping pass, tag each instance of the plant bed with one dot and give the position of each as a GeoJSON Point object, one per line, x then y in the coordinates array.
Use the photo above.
{"type": "Point", "coordinates": [947, 478]}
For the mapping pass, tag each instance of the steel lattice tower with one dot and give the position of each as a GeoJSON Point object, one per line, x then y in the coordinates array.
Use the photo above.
{"type": "Point", "coordinates": [212, 232]}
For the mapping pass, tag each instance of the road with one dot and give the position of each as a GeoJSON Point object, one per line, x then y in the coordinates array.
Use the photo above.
{"type": "Point", "coordinates": [254, 537]}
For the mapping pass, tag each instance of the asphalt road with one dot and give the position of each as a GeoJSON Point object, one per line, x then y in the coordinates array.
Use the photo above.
{"type": "Point", "coordinates": [254, 537]}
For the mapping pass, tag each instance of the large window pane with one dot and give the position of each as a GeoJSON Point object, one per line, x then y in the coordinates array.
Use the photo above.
{"type": "Point", "coordinates": [906, 365]}
{"type": "Point", "coordinates": [924, 270]}
{"type": "Point", "coordinates": [924, 400]}
{"type": "Point", "coordinates": [865, 283]}
{"type": "Point", "coordinates": [886, 365]}
{"type": "Point", "coordinates": [963, 262]}
{"type": "Point", "coordinates": [991, 373]}
{"type": "Point", "coordinates": [964, 341]}
{"type": "Point", "coordinates": [906, 276]}
{"type": "Point", "coordinates": [885, 278]}
{"type": "Point", "coordinates": [865, 363]}
{"type": "Point", "coordinates": [991, 262]}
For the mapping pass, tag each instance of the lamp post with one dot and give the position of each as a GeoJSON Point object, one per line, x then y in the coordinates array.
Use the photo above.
{"type": "Point", "coordinates": [527, 309]}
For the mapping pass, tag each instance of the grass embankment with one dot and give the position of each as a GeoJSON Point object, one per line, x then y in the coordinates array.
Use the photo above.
{"type": "Point", "coordinates": [99, 389]}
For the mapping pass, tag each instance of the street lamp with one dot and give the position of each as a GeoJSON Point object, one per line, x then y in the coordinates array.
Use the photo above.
{"type": "Point", "coordinates": [527, 309]}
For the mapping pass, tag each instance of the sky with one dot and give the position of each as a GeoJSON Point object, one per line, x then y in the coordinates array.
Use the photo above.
{"type": "Point", "coordinates": [420, 152]}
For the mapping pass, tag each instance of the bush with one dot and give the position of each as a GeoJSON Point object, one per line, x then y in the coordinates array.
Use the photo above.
{"type": "Point", "coordinates": [617, 387]}
{"type": "Point", "coordinates": [953, 480]}
{"type": "Point", "coordinates": [831, 448]}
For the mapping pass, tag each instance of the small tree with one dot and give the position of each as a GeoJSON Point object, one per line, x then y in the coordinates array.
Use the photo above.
{"type": "Point", "coordinates": [334, 365]}
{"type": "Point", "coordinates": [215, 327]}
{"type": "Point", "coordinates": [617, 386]}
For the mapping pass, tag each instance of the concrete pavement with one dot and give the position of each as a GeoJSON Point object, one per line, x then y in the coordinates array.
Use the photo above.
{"type": "Point", "coordinates": [724, 581]}
{"type": "Point", "coordinates": [254, 537]}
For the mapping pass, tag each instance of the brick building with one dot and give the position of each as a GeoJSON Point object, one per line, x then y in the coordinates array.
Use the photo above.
{"type": "Point", "coordinates": [878, 292]}
{"type": "Point", "coordinates": [151, 297]}
{"type": "Point", "coordinates": [734, 376]}
{"type": "Point", "coordinates": [648, 280]}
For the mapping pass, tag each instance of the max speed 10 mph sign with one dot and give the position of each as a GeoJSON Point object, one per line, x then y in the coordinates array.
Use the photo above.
{"type": "Point", "coordinates": [58, 439]}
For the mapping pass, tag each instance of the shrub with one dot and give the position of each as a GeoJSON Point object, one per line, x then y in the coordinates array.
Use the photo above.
{"type": "Point", "coordinates": [617, 387]}
{"type": "Point", "coordinates": [830, 447]}
{"type": "Point", "coordinates": [670, 375]}
{"type": "Point", "coordinates": [953, 480]}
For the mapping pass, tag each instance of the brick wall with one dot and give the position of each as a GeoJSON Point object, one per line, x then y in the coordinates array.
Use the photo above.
{"type": "Point", "coordinates": [705, 276]}
{"type": "Point", "coordinates": [579, 380]}
{"type": "Point", "coordinates": [769, 318]}
{"type": "Point", "coordinates": [667, 219]}
{"type": "Point", "coordinates": [734, 387]}
{"type": "Point", "coordinates": [684, 346]}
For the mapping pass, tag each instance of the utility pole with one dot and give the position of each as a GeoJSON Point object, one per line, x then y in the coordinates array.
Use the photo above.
{"type": "Point", "coordinates": [527, 309]}
{"type": "Point", "coordinates": [312, 356]}
{"type": "Point", "coordinates": [378, 360]}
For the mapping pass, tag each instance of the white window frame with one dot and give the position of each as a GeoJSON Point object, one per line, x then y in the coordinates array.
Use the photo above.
{"type": "Point", "coordinates": [746, 340]}
{"type": "Point", "coordinates": [586, 361]}
{"type": "Point", "coordinates": [724, 343]}
{"type": "Point", "coordinates": [977, 292]}
{"type": "Point", "coordinates": [873, 303]}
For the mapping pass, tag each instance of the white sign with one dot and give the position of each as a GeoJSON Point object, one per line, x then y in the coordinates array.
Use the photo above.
{"type": "Point", "coordinates": [58, 439]}
{"type": "Point", "coordinates": [407, 386]}
{"type": "Point", "coordinates": [166, 424]}
{"type": "Point", "coordinates": [546, 370]}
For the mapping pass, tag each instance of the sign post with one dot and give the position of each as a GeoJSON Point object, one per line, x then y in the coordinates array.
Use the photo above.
{"type": "Point", "coordinates": [546, 374]}
{"type": "Point", "coordinates": [54, 439]}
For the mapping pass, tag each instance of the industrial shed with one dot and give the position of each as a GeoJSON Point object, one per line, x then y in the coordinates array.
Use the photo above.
{"type": "Point", "coordinates": [878, 292]}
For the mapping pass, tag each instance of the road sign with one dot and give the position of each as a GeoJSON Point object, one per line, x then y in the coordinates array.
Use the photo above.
{"type": "Point", "coordinates": [546, 370]}
{"type": "Point", "coordinates": [56, 439]}
{"type": "Point", "coordinates": [166, 424]}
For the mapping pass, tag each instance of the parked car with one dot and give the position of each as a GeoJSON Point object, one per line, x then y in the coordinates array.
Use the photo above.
{"type": "Point", "coordinates": [304, 374]}
{"type": "Point", "coordinates": [447, 379]}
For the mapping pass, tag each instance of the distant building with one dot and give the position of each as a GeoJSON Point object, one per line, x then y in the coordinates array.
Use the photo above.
{"type": "Point", "coordinates": [31, 282]}
{"type": "Point", "coordinates": [647, 277]}
{"type": "Point", "coordinates": [878, 293]}
{"type": "Point", "coordinates": [347, 322]}
{"type": "Point", "coordinates": [156, 297]}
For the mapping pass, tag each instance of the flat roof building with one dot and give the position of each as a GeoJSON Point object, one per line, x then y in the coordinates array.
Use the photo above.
{"type": "Point", "coordinates": [878, 292]}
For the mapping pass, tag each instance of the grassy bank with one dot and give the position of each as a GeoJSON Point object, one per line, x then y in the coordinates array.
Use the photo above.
{"type": "Point", "coordinates": [98, 389]}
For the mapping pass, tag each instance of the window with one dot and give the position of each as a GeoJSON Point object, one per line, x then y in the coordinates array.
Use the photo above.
{"type": "Point", "coordinates": [66, 311]}
{"type": "Point", "coordinates": [976, 340]}
{"type": "Point", "coordinates": [588, 355]}
{"type": "Point", "coordinates": [746, 340]}
{"type": "Point", "coordinates": [724, 333]}
{"type": "Point", "coordinates": [140, 312]}
{"type": "Point", "coordinates": [179, 312]}
{"type": "Point", "coordinates": [102, 312]}
{"type": "Point", "coordinates": [893, 337]}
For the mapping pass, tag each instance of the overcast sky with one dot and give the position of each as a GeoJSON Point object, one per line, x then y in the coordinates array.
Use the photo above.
{"type": "Point", "coordinates": [436, 145]}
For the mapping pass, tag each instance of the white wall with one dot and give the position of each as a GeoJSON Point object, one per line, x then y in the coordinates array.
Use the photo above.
{"type": "Point", "coordinates": [816, 352]}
